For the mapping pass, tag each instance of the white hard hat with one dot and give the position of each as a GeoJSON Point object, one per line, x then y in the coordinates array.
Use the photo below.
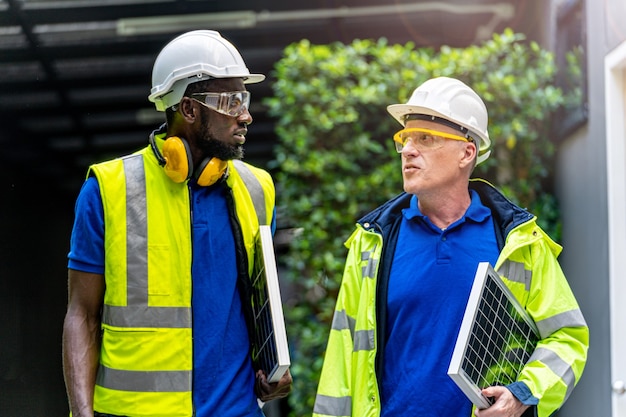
{"type": "Point", "coordinates": [451, 100]}
{"type": "Point", "coordinates": [191, 57]}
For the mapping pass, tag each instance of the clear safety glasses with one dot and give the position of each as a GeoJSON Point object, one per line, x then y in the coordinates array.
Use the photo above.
{"type": "Point", "coordinates": [423, 139]}
{"type": "Point", "coordinates": [231, 103]}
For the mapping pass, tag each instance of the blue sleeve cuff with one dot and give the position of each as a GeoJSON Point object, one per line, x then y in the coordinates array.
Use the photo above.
{"type": "Point", "coordinates": [85, 267]}
{"type": "Point", "coordinates": [521, 391]}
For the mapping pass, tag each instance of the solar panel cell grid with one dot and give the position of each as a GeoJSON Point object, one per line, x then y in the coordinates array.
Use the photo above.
{"type": "Point", "coordinates": [269, 338]}
{"type": "Point", "coordinates": [496, 339]}
{"type": "Point", "coordinates": [264, 352]}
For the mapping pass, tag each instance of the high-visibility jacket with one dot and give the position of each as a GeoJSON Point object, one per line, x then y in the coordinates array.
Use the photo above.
{"type": "Point", "coordinates": [146, 357]}
{"type": "Point", "coordinates": [352, 373]}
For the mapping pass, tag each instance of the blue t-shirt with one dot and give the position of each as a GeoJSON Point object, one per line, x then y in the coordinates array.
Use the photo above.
{"type": "Point", "coordinates": [223, 377]}
{"type": "Point", "coordinates": [430, 281]}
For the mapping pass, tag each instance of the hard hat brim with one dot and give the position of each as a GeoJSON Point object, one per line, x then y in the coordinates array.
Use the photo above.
{"type": "Point", "coordinates": [400, 111]}
{"type": "Point", "coordinates": [253, 78]}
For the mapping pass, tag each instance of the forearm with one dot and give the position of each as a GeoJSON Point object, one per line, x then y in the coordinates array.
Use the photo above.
{"type": "Point", "coordinates": [81, 340]}
{"type": "Point", "coordinates": [81, 348]}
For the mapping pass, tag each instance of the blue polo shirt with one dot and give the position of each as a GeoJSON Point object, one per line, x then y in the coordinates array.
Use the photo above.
{"type": "Point", "coordinates": [223, 377]}
{"type": "Point", "coordinates": [429, 284]}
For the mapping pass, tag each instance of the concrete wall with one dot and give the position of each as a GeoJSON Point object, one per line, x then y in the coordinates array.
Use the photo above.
{"type": "Point", "coordinates": [581, 187]}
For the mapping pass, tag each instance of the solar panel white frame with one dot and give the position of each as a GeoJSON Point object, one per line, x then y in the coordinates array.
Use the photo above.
{"type": "Point", "coordinates": [270, 350]}
{"type": "Point", "coordinates": [496, 339]}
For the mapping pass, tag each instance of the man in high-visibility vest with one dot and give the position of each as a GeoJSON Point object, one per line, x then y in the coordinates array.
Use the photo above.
{"type": "Point", "coordinates": [410, 268]}
{"type": "Point", "coordinates": [162, 250]}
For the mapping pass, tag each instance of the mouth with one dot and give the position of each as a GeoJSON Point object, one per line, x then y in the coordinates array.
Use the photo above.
{"type": "Point", "coordinates": [240, 137]}
{"type": "Point", "coordinates": [408, 168]}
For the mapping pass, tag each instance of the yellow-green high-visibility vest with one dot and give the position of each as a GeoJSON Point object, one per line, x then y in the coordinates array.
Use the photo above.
{"type": "Point", "coordinates": [146, 360]}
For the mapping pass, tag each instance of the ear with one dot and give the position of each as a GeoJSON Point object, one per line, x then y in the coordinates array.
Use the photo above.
{"type": "Point", "coordinates": [187, 109]}
{"type": "Point", "coordinates": [469, 154]}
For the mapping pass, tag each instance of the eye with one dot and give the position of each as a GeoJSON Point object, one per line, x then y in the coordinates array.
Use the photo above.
{"type": "Point", "coordinates": [426, 140]}
{"type": "Point", "coordinates": [235, 102]}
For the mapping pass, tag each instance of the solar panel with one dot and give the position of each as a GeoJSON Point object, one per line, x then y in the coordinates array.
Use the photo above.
{"type": "Point", "coordinates": [270, 351]}
{"type": "Point", "coordinates": [496, 339]}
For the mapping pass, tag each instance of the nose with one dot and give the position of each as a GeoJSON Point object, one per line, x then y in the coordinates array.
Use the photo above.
{"type": "Point", "coordinates": [409, 149]}
{"type": "Point", "coordinates": [245, 116]}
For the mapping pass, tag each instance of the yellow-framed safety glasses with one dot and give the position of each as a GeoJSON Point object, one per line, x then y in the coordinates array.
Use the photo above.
{"type": "Point", "coordinates": [424, 139]}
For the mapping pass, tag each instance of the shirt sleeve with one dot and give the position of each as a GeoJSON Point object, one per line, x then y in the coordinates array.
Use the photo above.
{"type": "Point", "coordinates": [87, 239]}
{"type": "Point", "coordinates": [521, 391]}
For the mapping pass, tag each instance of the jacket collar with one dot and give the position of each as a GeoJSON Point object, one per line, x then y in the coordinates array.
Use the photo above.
{"type": "Point", "coordinates": [506, 215]}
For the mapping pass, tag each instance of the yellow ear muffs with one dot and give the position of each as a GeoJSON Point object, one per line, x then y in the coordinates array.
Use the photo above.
{"type": "Point", "coordinates": [178, 162]}
{"type": "Point", "coordinates": [178, 165]}
{"type": "Point", "coordinates": [210, 170]}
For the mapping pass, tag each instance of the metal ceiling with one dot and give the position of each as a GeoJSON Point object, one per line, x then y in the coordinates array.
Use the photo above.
{"type": "Point", "coordinates": [75, 74]}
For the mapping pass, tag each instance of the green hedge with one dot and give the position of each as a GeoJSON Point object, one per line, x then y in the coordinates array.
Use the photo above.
{"type": "Point", "coordinates": [335, 159]}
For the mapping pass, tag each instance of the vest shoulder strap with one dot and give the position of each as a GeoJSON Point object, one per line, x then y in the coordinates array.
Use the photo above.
{"type": "Point", "coordinates": [254, 188]}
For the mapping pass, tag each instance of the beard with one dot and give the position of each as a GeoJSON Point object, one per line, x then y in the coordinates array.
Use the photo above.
{"type": "Point", "coordinates": [218, 149]}
{"type": "Point", "coordinates": [212, 147]}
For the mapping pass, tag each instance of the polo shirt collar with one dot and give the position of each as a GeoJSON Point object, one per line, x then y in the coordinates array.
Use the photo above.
{"type": "Point", "coordinates": [476, 211]}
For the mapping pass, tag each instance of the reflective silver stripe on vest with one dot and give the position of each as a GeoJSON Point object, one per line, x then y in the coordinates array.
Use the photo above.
{"type": "Point", "coordinates": [515, 271]}
{"type": "Point", "coordinates": [369, 270]}
{"type": "Point", "coordinates": [341, 321]}
{"type": "Point", "coordinates": [137, 313]}
{"type": "Point", "coordinates": [362, 339]}
{"type": "Point", "coordinates": [144, 381]}
{"type": "Point", "coordinates": [144, 316]}
{"type": "Point", "coordinates": [556, 365]}
{"type": "Point", "coordinates": [333, 406]}
{"type": "Point", "coordinates": [572, 318]}
{"type": "Point", "coordinates": [254, 188]}
{"type": "Point", "coordinates": [136, 231]}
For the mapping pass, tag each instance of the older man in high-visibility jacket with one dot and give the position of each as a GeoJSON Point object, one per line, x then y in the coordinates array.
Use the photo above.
{"type": "Point", "coordinates": [410, 268]}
